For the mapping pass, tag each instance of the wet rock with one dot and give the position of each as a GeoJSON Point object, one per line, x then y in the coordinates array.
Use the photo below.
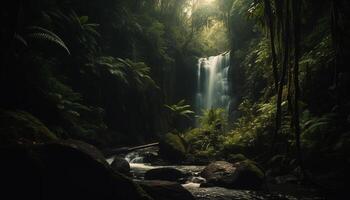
{"type": "Point", "coordinates": [62, 170]}
{"type": "Point", "coordinates": [241, 175]}
{"type": "Point", "coordinates": [217, 170]}
{"type": "Point", "coordinates": [197, 180]}
{"type": "Point", "coordinates": [150, 157]}
{"type": "Point", "coordinates": [165, 190]}
{"type": "Point", "coordinates": [120, 165]}
{"type": "Point", "coordinates": [167, 174]}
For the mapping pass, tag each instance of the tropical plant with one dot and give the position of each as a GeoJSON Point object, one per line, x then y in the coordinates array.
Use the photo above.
{"type": "Point", "coordinates": [77, 29]}
{"type": "Point", "coordinates": [214, 118]}
{"type": "Point", "coordinates": [42, 34]}
{"type": "Point", "coordinates": [180, 109]}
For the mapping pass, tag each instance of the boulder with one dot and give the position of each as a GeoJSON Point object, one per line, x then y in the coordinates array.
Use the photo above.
{"type": "Point", "coordinates": [172, 148]}
{"type": "Point", "coordinates": [165, 190]}
{"type": "Point", "coordinates": [240, 175]}
{"type": "Point", "coordinates": [197, 180]}
{"type": "Point", "coordinates": [120, 165]}
{"type": "Point", "coordinates": [233, 158]}
{"type": "Point", "coordinates": [22, 127]}
{"type": "Point", "coordinates": [167, 174]}
{"type": "Point", "coordinates": [62, 170]}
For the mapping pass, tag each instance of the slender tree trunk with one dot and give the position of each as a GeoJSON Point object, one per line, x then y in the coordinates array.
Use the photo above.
{"type": "Point", "coordinates": [337, 44]}
{"type": "Point", "coordinates": [269, 20]}
{"type": "Point", "coordinates": [279, 7]}
{"type": "Point", "coordinates": [296, 7]}
{"type": "Point", "coordinates": [283, 74]}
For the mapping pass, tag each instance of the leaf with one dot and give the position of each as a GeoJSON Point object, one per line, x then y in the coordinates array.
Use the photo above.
{"type": "Point", "coordinates": [83, 19]}
{"type": "Point", "coordinates": [21, 39]}
{"type": "Point", "coordinates": [44, 34]}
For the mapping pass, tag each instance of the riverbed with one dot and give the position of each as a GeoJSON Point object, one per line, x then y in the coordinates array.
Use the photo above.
{"type": "Point", "coordinates": [139, 168]}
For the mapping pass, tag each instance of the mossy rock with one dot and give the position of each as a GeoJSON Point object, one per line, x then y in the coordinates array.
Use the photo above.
{"type": "Point", "coordinates": [63, 170]}
{"type": "Point", "coordinates": [240, 175]}
{"type": "Point", "coordinates": [22, 127]}
{"type": "Point", "coordinates": [172, 148]}
{"type": "Point", "coordinates": [236, 158]}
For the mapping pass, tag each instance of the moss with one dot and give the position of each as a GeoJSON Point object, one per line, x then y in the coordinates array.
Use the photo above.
{"type": "Point", "coordinates": [251, 166]}
{"type": "Point", "coordinates": [172, 147]}
{"type": "Point", "coordinates": [22, 127]}
{"type": "Point", "coordinates": [236, 158]}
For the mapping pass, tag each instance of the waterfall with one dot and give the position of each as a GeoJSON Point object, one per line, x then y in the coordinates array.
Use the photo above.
{"type": "Point", "coordinates": [212, 83]}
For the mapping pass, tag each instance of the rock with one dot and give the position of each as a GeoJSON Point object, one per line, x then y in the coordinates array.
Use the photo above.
{"type": "Point", "coordinates": [236, 158]}
{"type": "Point", "coordinates": [218, 169]}
{"type": "Point", "coordinates": [165, 190]}
{"type": "Point", "coordinates": [150, 157]}
{"type": "Point", "coordinates": [172, 148]}
{"type": "Point", "coordinates": [167, 174]}
{"type": "Point", "coordinates": [22, 127]}
{"type": "Point", "coordinates": [121, 165]}
{"type": "Point", "coordinates": [197, 180]}
{"type": "Point", "coordinates": [241, 175]}
{"type": "Point", "coordinates": [62, 170]}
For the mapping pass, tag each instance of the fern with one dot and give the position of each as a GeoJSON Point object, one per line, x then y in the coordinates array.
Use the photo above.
{"type": "Point", "coordinates": [180, 109]}
{"type": "Point", "coordinates": [40, 33]}
{"type": "Point", "coordinates": [21, 39]}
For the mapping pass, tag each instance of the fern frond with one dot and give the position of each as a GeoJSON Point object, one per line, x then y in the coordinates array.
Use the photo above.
{"type": "Point", "coordinates": [44, 34]}
{"type": "Point", "coordinates": [21, 39]}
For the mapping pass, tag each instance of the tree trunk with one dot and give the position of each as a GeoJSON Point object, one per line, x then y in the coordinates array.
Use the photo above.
{"type": "Point", "coordinates": [296, 7]}
{"type": "Point", "coordinates": [269, 20]}
{"type": "Point", "coordinates": [337, 44]}
{"type": "Point", "coordinates": [283, 74]}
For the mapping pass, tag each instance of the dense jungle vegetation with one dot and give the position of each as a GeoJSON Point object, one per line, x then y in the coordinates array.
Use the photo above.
{"type": "Point", "coordinates": [116, 73]}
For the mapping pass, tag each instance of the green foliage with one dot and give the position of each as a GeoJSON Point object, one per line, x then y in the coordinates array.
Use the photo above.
{"type": "Point", "coordinates": [315, 129]}
{"type": "Point", "coordinates": [85, 33]}
{"type": "Point", "coordinates": [134, 74]}
{"type": "Point", "coordinates": [204, 142]}
{"type": "Point", "coordinates": [207, 140]}
{"type": "Point", "coordinates": [253, 129]}
{"type": "Point", "coordinates": [41, 34]}
{"type": "Point", "coordinates": [180, 109]}
{"type": "Point", "coordinates": [214, 119]}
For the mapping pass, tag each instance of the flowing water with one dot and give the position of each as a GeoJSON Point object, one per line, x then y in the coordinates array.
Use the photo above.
{"type": "Point", "coordinates": [139, 168]}
{"type": "Point", "coordinates": [212, 82]}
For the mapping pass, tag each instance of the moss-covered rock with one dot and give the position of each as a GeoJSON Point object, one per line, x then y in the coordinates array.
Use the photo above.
{"type": "Point", "coordinates": [233, 158]}
{"type": "Point", "coordinates": [247, 176]}
{"type": "Point", "coordinates": [22, 127]}
{"type": "Point", "coordinates": [240, 175]}
{"type": "Point", "coordinates": [172, 148]}
{"type": "Point", "coordinates": [62, 170]}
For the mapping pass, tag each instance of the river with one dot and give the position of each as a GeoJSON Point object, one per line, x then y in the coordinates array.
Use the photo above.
{"type": "Point", "coordinates": [139, 168]}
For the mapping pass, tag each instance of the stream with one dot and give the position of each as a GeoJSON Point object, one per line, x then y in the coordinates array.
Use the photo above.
{"type": "Point", "coordinates": [192, 184]}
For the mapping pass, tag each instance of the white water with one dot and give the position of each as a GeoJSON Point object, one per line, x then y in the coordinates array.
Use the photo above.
{"type": "Point", "coordinates": [212, 82]}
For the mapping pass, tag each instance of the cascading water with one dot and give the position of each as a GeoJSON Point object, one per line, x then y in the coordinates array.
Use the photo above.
{"type": "Point", "coordinates": [212, 82]}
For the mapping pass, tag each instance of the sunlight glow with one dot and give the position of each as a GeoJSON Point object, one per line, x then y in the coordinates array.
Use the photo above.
{"type": "Point", "coordinates": [206, 1]}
